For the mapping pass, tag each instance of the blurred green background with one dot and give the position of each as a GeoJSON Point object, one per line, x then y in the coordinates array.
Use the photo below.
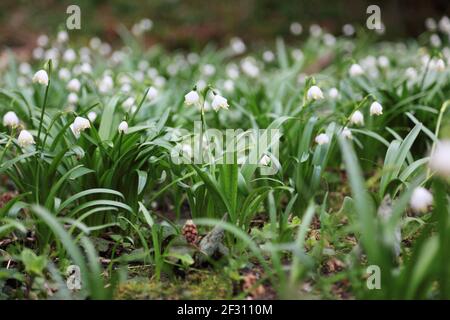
{"type": "Point", "coordinates": [190, 23]}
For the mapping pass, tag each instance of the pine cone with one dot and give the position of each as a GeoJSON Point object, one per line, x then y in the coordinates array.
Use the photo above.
{"type": "Point", "coordinates": [190, 232]}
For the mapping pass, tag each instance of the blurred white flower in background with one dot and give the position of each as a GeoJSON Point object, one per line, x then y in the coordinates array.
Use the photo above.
{"type": "Point", "coordinates": [95, 43]}
{"type": "Point", "coordinates": [42, 40]}
{"type": "Point", "coordinates": [74, 85]}
{"type": "Point", "coordinates": [208, 70]}
{"type": "Point", "coordinates": [440, 159]}
{"type": "Point", "coordinates": [296, 28]}
{"type": "Point", "coordinates": [347, 133]}
{"type": "Point", "coordinates": [249, 67]}
{"type": "Point", "coordinates": [25, 139]}
{"type": "Point", "coordinates": [430, 24]}
{"type": "Point", "coordinates": [348, 30]}
{"type": "Point", "coordinates": [92, 116]}
{"type": "Point", "coordinates": [106, 84]}
{"type": "Point", "coordinates": [128, 103]}
{"type": "Point", "coordinates": [315, 30]}
{"type": "Point", "coordinates": [314, 93]}
{"type": "Point", "coordinates": [69, 55]}
{"type": "Point", "coordinates": [38, 53]}
{"type": "Point", "coordinates": [268, 56]}
{"type": "Point", "coordinates": [237, 45]}
{"type": "Point", "coordinates": [24, 68]}
{"type": "Point", "coordinates": [41, 77]}
{"type": "Point", "coordinates": [435, 40]}
{"type": "Point", "coordinates": [421, 199]}
{"type": "Point", "coordinates": [322, 139]}
{"type": "Point", "coordinates": [64, 74]}
{"type": "Point", "coordinates": [356, 70]}
{"type": "Point", "coordinates": [152, 93]}
{"type": "Point", "coordinates": [10, 119]}
{"type": "Point", "coordinates": [232, 71]}
{"type": "Point", "coordinates": [297, 54]}
{"type": "Point", "coordinates": [333, 93]}
{"type": "Point", "coordinates": [62, 36]}
{"type": "Point", "coordinates": [228, 85]}
{"type": "Point", "coordinates": [411, 74]}
{"type": "Point", "coordinates": [383, 62]}
{"type": "Point", "coordinates": [72, 98]}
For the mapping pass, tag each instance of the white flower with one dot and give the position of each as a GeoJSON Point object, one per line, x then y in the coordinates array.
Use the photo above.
{"type": "Point", "coordinates": [421, 199]}
{"type": "Point", "coordinates": [25, 68]}
{"type": "Point", "coordinates": [219, 102]}
{"type": "Point", "coordinates": [348, 30]}
{"type": "Point", "coordinates": [38, 53]}
{"type": "Point", "coordinates": [232, 71]}
{"type": "Point", "coordinates": [237, 45]}
{"type": "Point", "coordinates": [10, 119]}
{"type": "Point", "coordinates": [333, 93]}
{"type": "Point", "coordinates": [439, 65]}
{"type": "Point", "coordinates": [249, 67]}
{"type": "Point", "coordinates": [74, 85]}
{"type": "Point", "coordinates": [296, 28]}
{"type": "Point", "coordinates": [411, 73]}
{"type": "Point", "coordinates": [152, 93]}
{"type": "Point", "coordinates": [322, 139]}
{"type": "Point", "coordinates": [62, 36]}
{"type": "Point", "coordinates": [106, 84]}
{"type": "Point", "coordinates": [346, 133]}
{"type": "Point", "coordinates": [64, 74]}
{"type": "Point", "coordinates": [315, 30]}
{"type": "Point", "coordinates": [72, 98]}
{"type": "Point", "coordinates": [69, 55]}
{"type": "Point", "coordinates": [208, 70]}
{"type": "Point", "coordinates": [376, 109]}
{"type": "Point", "coordinates": [79, 125]}
{"type": "Point", "coordinates": [42, 40]}
{"type": "Point", "coordinates": [268, 56]}
{"type": "Point", "coordinates": [95, 43]}
{"type": "Point", "coordinates": [265, 160]}
{"type": "Point", "coordinates": [86, 68]}
{"type": "Point", "coordinates": [92, 116]}
{"type": "Point", "coordinates": [228, 85]}
{"type": "Point", "coordinates": [357, 118]}
{"type": "Point", "coordinates": [191, 98]}
{"type": "Point", "coordinates": [128, 103]}
{"type": "Point", "coordinates": [315, 93]}
{"type": "Point", "coordinates": [329, 39]}
{"type": "Point", "coordinates": [435, 40]}
{"type": "Point", "coordinates": [356, 70]}
{"type": "Point", "coordinates": [383, 62]}
{"type": "Point", "coordinates": [41, 77]}
{"type": "Point", "coordinates": [440, 159]}
{"type": "Point", "coordinates": [25, 139]}
{"type": "Point", "coordinates": [123, 127]}
{"type": "Point", "coordinates": [431, 24]}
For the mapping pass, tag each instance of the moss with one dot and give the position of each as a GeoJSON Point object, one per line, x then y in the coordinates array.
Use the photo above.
{"type": "Point", "coordinates": [196, 285]}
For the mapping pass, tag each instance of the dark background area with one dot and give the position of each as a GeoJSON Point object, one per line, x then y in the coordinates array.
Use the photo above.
{"type": "Point", "coordinates": [193, 23]}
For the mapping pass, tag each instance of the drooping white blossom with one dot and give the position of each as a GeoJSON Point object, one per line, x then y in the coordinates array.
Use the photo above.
{"type": "Point", "coordinates": [41, 77]}
{"type": "Point", "coordinates": [10, 119]}
{"type": "Point", "coordinates": [25, 139]}
{"type": "Point", "coordinates": [421, 199]}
